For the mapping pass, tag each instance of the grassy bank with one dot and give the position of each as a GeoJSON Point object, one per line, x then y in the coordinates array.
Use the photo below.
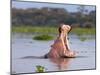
{"type": "Point", "coordinates": [53, 30]}
{"type": "Point", "coordinates": [35, 29]}
{"type": "Point", "coordinates": [83, 31]}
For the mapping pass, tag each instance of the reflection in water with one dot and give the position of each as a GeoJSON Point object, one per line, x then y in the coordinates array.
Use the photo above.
{"type": "Point", "coordinates": [62, 63]}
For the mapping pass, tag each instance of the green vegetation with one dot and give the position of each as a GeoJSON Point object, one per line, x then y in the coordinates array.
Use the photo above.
{"type": "Point", "coordinates": [50, 16]}
{"type": "Point", "coordinates": [40, 69]}
{"type": "Point", "coordinates": [43, 37]}
{"type": "Point", "coordinates": [52, 30]}
{"type": "Point", "coordinates": [31, 29]}
{"type": "Point", "coordinates": [83, 31]}
{"type": "Point", "coordinates": [46, 31]}
{"type": "Point", "coordinates": [82, 38]}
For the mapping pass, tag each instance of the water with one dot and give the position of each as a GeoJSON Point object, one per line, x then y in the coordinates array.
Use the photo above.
{"type": "Point", "coordinates": [24, 46]}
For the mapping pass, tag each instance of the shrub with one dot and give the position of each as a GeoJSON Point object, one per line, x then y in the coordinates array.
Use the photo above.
{"type": "Point", "coordinates": [40, 69]}
{"type": "Point", "coordinates": [43, 37]}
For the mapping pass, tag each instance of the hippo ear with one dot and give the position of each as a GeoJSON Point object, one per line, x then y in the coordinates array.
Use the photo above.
{"type": "Point", "coordinates": [59, 29]}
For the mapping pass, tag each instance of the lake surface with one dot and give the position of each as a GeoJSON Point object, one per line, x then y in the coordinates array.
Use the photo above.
{"type": "Point", "coordinates": [24, 48]}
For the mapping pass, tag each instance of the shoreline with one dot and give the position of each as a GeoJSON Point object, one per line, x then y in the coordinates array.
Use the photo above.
{"type": "Point", "coordinates": [51, 30]}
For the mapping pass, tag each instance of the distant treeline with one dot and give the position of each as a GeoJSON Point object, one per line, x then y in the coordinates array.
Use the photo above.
{"type": "Point", "coordinates": [52, 17]}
